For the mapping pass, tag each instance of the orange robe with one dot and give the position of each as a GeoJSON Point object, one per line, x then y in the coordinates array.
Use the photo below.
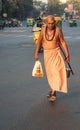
{"type": "Point", "coordinates": [55, 70]}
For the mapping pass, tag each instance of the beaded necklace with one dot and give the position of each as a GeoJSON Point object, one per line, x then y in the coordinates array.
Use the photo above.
{"type": "Point", "coordinates": [47, 35]}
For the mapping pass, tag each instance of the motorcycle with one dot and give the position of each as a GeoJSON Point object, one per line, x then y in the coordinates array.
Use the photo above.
{"type": "Point", "coordinates": [36, 31]}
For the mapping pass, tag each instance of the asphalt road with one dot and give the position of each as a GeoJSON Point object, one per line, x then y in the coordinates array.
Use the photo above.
{"type": "Point", "coordinates": [23, 102]}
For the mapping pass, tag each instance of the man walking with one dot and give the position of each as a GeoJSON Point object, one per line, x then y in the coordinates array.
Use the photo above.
{"type": "Point", "coordinates": [51, 39]}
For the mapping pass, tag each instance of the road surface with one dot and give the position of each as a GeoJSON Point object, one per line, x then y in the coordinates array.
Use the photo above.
{"type": "Point", "coordinates": [23, 102]}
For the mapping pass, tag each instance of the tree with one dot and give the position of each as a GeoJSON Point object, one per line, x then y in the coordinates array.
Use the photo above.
{"type": "Point", "coordinates": [53, 2]}
{"type": "Point", "coordinates": [17, 8]}
{"type": "Point", "coordinates": [54, 7]}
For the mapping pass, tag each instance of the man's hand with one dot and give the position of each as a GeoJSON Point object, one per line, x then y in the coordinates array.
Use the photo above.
{"type": "Point", "coordinates": [36, 57]}
{"type": "Point", "coordinates": [67, 59]}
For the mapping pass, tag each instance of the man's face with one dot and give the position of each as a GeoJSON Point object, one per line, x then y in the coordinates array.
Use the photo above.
{"type": "Point", "coordinates": [50, 23]}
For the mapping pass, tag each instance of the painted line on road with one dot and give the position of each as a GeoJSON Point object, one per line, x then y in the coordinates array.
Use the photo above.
{"type": "Point", "coordinates": [67, 37]}
{"type": "Point", "coordinates": [13, 35]}
{"type": "Point", "coordinates": [24, 36]}
{"type": "Point", "coordinates": [27, 45]}
{"type": "Point", "coordinates": [17, 36]}
{"type": "Point", "coordinates": [72, 37]}
{"type": "Point", "coordinates": [14, 30]}
{"type": "Point", "coordinates": [77, 37]}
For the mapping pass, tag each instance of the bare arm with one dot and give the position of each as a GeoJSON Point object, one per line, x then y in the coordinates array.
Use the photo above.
{"type": "Point", "coordinates": [38, 45]}
{"type": "Point", "coordinates": [64, 45]}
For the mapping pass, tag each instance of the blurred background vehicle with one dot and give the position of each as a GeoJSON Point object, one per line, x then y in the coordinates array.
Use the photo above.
{"type": "Point", "coordinates": [58, 22]}
{"type": "Point", "coordinates": [36, 29]}
{"type": "Point", "coordinates": [2, 23]}
{"type": "Point", "coordinates": [72, 23]}
{"type": "Point", "coordinates": [30, 22]}
{"type": "Point", "coordinates": [12, 23]}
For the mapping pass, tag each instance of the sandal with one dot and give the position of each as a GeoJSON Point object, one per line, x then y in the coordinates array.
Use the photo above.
{"type": "Point", "coordinates": [49, 94]}
{"type": "Point", "coordinates": [52, 97]}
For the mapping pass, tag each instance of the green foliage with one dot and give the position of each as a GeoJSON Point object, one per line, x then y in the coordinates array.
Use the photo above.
{"type": "Point", "coordinates": [53, 2]}
{"type": "Point", "coordinates": [17, 8]}
{"type": "Point", "coordinates": [55, 8]}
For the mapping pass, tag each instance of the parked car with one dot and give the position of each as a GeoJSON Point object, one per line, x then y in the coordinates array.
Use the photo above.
{"type": "Point", "coordinates": [13, 23]}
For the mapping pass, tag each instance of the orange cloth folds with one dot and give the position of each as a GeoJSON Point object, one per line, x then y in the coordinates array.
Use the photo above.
{"type": "Point", "coordinates": [55, 70]}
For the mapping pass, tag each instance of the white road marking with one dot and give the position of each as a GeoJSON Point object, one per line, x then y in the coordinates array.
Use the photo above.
{"type": "Point", "coordinates": [14, 30]}
{"type": "Point", "coordinates": [31, 35]}
{"type": "Point", "coordinates": [28, 45]}
{"type": "Point", "coordinates": [77, 37]}
{"type": "Point", "coordinates": [14, 35]}
{"type": "Point", "coordinates": [67, 37]}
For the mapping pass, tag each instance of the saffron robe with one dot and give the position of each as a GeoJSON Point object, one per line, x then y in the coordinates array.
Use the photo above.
{"type": "Point", "coordinates": [55, 70]}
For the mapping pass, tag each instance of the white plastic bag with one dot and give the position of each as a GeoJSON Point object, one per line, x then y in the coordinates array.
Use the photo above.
{"type": "Point", "coordinates": [37, 70]}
